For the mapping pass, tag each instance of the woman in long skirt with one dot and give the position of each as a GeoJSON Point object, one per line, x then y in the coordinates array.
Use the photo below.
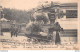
{"type": "Point", "coordinates": [57, 38]}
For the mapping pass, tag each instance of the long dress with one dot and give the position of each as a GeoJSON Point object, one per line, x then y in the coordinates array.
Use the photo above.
{"type": "Point", "coordinates": [57, 39]}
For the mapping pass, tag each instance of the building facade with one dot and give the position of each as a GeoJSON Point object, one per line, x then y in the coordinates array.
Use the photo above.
{"type": "Point", "coordinates": [66, 15]}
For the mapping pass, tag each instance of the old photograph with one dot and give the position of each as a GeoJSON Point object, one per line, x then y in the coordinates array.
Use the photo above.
{"type": "Point", "coordinates": [38, 24]}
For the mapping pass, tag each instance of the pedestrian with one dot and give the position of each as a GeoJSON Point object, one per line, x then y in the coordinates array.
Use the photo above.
{"type": "Point", "coordinates": [57, 36]}
{"type": "Point", "coordinates": [12, 31]}
{"type": "Point", "coordinates": [16, 31]}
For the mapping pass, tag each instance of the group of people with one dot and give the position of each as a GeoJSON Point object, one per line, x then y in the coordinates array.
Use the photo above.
{"type": "Point", "coordinates": [14, 30]}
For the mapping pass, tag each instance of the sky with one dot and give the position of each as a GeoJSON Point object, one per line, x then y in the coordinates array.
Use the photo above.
{"type": "Point", "coordinates": [27, 4]}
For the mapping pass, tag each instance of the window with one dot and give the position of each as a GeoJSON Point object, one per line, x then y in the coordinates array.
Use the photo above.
{"type": "Point", "coordinates": [71, 13]}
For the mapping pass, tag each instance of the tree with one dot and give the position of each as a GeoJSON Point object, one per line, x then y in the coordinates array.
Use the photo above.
{"type": "Point", "coordinates": [19, 15]}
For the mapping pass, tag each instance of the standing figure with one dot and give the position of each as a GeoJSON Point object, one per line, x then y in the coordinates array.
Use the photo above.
{"type": "Point", "coordinates": [54, 33]}
{"type": "Point", "coordinates": [15, 31]}
{"type": "Point", "coordinates": [12, 31]}
{"type": "Point", "coordinates": [57, 36]}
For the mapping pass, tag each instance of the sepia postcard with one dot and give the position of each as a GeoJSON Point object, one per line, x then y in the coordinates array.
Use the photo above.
{"type": "Point", "coordinates": [39, 25]}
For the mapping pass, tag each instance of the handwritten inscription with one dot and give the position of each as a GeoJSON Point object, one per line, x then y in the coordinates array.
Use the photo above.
{"type": "Point", "coordinates": [8, 43]}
